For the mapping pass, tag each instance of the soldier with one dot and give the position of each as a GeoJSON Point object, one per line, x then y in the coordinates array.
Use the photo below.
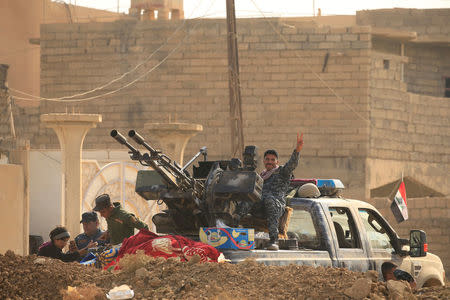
{"type": "Point", "coordinates": [121, 223]}
{"type": "Point", "coordinates": [58, 240]}
{"type": "Point", "coordinates": [276, 183]}
{"type": "Point", "coordinates": [91, 232]}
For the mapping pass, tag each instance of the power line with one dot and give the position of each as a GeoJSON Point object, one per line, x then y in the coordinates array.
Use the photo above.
{"type": "Point", "coordinates": [37, 98]}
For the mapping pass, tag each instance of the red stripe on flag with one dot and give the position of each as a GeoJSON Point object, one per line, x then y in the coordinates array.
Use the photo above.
{"type": "Point", "coordinates": [402, 190]}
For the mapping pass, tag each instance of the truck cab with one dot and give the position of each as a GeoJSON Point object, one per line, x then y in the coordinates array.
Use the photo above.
{"type": "Point", "coordinates": [350, 234]}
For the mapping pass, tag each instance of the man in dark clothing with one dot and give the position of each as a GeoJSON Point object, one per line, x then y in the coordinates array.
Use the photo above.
{"type": "Point", "coordinates": [91, 232]}
{"type": "Point", "coordinates": [390, 272]}
{"type": "Point", "coordinates": [121, 223]}
{"type": "Point", "coordinates": [276, 183]}
{"type": "Point", "coordinates": [58, 240]}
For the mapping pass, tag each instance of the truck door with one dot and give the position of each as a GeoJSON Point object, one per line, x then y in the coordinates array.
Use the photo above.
{"type": "Point", "coordinates": [379, 238]}
{"type": "Point", "coordinates": [349, 249]}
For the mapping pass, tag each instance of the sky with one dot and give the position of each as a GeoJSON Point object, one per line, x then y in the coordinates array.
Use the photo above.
{"type": "Point", "coordinates": [273, 8]}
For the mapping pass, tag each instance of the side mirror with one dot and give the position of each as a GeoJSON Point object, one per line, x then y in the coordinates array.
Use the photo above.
{"type": "Point", "coordinates": [418, 243]}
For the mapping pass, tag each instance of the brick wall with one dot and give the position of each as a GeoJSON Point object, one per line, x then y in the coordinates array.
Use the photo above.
{"type": "Point", "coordinates": [280, 93]}
{"type": "Point", "coordinates": [427, 68]}
{"type": "Point", "coordinates": [429, 214]}
{"type": "Point", "coordinates": [430, 24]}
{"type": "Point", "coordinates": [405, 126]}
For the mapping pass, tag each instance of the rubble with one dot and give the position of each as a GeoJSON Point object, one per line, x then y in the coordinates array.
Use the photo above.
{"type": "Point", "coordinates": [29, 277]}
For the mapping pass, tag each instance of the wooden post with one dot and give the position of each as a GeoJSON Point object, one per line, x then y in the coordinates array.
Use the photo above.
{"type": "Point", "coordinates": [237, 134]}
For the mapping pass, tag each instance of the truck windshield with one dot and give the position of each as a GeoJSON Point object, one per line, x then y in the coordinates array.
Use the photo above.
{"type": "Point", "coordinates": [376, 232]}
{"type": "Point", "coordinates": [302, 228]}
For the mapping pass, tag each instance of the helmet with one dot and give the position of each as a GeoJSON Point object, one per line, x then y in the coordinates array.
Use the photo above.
{"type": "Point", "coordinates": [308, 190]}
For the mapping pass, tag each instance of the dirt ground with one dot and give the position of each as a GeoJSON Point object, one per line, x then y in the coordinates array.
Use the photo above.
{"type": "Point", "coordinates": [31, 277]}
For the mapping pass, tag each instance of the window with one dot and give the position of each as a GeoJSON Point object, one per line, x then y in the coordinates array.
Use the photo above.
{"type": "Point", "coordinates": [447, 87]}
{"type": "Point", "coordinates": [344, 226]}
{"type": "Point", "coordinates": [302, 228]}
{"type": "Point", "coordinates": [377, 233]}
{"type": "Point", "coordinates": [386, 64]}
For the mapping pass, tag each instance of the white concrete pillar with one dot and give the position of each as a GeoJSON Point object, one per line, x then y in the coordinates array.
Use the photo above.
{"type": "Point", "coordinates": [71, 130]}
{"type": "Point", "coordinates": [172, 137]}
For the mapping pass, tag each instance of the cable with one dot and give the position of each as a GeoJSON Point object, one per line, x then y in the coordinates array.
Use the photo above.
{"type": "Point", "coordinates": [37, 98]}
{"type": "Point", "coordinates": [310, 68]}
{"type": "Point", "coordinates": [122, 87]}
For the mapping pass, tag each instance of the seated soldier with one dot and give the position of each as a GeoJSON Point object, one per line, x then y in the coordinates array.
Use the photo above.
{"type": "Point", "coordinates": [58, 240]}
{"type": "Point", "coordinates": [91, 233]}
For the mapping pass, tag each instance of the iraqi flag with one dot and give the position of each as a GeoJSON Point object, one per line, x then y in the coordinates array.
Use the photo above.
{"type": "Point", "coordinates": [398, 206]}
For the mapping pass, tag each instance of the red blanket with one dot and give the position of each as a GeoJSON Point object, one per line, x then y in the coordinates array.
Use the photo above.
{"type": "Point", "coordinates": [166, 246]}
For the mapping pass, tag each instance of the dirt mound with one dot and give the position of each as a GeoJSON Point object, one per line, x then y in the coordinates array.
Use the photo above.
{"type": "Point", "coordinates": [32, 277]}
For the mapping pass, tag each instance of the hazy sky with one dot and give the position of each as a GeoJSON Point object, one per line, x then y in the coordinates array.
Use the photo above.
{"type": "Point", "coordinates": [246, 8]}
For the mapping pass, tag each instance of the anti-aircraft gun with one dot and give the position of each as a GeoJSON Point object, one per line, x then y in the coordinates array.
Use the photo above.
{"type": "Point", "coordinates": [218, 192]}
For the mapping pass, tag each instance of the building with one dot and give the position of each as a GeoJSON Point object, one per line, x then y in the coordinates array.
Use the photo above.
{"type": "Point", "coordinates": [369, 92]}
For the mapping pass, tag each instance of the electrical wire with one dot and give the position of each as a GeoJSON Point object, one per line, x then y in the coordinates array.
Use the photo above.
{"type": "Point", "coordinates": [124, 86]}
{"type": "Point", "coordinates": [37, 98]}
{"type": "Point", "coordinates": [311, 69]}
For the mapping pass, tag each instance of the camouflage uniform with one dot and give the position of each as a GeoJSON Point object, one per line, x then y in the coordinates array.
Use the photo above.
{"type": "Point", "coordinates": [121, 224]}
{"type": "Point", "coordinates": [82, 240]}
{"type": "Point", "coordinates": [273, 200]}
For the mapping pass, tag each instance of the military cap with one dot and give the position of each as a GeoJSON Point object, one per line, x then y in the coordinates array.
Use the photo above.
{"type": "Point", "coordinates": [89, 217]}
{"type": "Point", "coordinates": [271, 151]}
{"type": "Point", "coordinates": [102, 202]}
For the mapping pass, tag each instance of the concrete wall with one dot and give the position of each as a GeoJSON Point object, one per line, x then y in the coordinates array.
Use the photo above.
{"type": "Point", "coordinates": [429, 55]}
{"type": "Point", "coordinates": [46, 186]}
{"type": "Point", "coordinates": [429, 214]}
{"type": "Point", "coordinates": [45, 192]}
{"type": "Point", "coordinates": [13, 213]}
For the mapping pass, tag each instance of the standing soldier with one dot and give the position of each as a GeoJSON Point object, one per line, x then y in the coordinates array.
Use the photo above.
{"type": "Point", "coordinates": [121, 223]}
{"type": "Point", "coordinates": [276, 183]}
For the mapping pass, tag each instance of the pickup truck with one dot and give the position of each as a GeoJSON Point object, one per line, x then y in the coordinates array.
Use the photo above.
{"type": "Point", "coordinates": [352, 234]}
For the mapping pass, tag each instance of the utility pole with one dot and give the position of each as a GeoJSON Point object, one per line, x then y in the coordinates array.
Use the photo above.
{"type": "Point", "coordinates": [237, 134]}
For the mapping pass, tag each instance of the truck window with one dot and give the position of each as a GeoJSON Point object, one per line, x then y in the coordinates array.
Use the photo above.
{"type": "Point", "coordinates": [301, 228]}
{"type": "Point", "coordinates": [376, 232]}
{"type": "Point", "coordinates": [344, 226]}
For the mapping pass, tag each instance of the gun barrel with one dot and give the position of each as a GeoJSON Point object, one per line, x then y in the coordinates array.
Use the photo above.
{"type": "Point", "coordinates": [140, 140]}
{"type": "Point", "coordinates": [122, 140]}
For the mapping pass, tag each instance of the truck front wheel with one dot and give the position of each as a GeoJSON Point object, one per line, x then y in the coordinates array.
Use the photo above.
{"type": "Point", "coordinates": [432, 282]}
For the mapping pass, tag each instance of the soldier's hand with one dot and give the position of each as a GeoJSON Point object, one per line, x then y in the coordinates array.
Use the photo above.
{"type": "Point", "coordinates": [92, 244]}
{"type": "Point", "coordinates": [72, 246]}
{"type": "Point", "coordinates": [104, 236]}
{"type": "Point", "coordinates": [299, 142]}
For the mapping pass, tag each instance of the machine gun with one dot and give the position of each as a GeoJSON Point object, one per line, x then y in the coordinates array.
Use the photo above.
{"type": "Point", "coordinates": [216, 194]}
{"type": "Point", "coordinates": [173, 174]}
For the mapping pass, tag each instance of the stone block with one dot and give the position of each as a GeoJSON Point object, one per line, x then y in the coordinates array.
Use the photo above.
{"type": "Point", "coordinates": [316, 37]}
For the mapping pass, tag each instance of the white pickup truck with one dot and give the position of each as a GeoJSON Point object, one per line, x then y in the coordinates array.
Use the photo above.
{"type": "Point", "coordinates": [339, 232]}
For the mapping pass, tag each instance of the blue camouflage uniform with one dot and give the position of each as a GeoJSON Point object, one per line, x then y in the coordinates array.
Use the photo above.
{"type": "Point", "coordinates": [273, 200]}
{"type": "Point", "coordinates": [82, 240]}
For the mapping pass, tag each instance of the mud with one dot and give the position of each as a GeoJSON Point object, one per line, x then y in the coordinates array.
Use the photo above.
{"type": "Point", "coordinates": [31, 277]}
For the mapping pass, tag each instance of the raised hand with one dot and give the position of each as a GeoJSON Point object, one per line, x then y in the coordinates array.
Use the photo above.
{"type": "Point", "coordinates": [299, 142]}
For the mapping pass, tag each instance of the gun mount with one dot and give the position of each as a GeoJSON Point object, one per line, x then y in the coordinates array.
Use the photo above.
{"type": "Point", "coordinates": [218, 192]}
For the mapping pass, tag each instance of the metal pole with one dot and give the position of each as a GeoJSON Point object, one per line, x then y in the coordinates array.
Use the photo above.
{"type": "Point", "coordinates": [237, 135]}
